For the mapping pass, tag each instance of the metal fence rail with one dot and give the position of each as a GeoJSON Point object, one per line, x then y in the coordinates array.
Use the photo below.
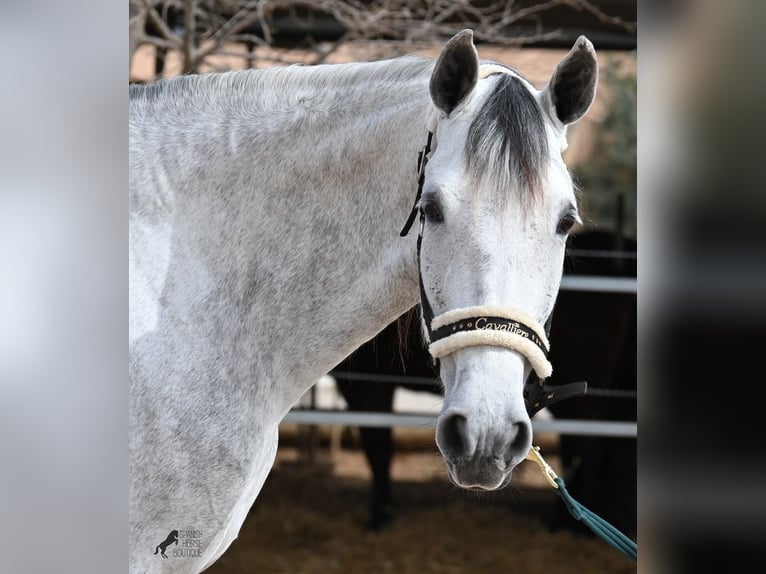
{"type": "Point", "coordinates": [596, 284]}
{"type": "Point", "coordinates": [426, 420]}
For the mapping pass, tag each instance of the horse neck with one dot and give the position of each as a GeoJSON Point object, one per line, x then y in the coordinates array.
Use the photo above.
{"type": "Point", "coordinates": [286, 232]}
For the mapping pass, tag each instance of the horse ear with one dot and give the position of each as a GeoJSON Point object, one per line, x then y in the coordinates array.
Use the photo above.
{"type": "Point", "coordinates": [456, 72]}
{"type": "Point", "coordinates": [570, 91]}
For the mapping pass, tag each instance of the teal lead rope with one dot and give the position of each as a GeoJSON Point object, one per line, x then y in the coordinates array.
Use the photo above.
{"type": "Point", "coordinates": [597, 524]}
{"type": "Point", "coordinates": [593, 521]}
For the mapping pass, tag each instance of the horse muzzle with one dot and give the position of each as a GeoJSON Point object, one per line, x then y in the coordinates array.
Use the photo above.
{"type": "Point", "coordinates": [481, 455]}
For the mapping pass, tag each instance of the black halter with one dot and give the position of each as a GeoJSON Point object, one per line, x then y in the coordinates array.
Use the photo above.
{"type": "Point", "coordinates": [537, 395]}
{"type": "Point", "coordinates": [427, 311]}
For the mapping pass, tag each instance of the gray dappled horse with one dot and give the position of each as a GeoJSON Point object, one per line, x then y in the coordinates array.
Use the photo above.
{"type": "Point", "coordinates": [265, 208]}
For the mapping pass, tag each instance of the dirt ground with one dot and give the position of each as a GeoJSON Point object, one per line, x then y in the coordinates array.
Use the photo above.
{"type": "Point", "coordinates": [310, 519]}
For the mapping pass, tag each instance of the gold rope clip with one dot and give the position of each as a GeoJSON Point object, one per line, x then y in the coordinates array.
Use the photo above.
{"type": "Point", "coordinates": [535, 456]}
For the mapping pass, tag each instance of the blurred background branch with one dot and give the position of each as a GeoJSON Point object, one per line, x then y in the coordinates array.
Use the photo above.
{"type": "Point", "coordinates": [199, 30]}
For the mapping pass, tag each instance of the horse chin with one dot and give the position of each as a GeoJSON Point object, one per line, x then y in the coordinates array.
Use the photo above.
{"type": "Point", "coordinates": [479, 481]}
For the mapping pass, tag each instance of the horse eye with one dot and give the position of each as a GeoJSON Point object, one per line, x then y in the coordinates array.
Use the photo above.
{"type": "Point", "coordinates": [566, 224]}
{"type": "Point", "coordinates": [432, 212]}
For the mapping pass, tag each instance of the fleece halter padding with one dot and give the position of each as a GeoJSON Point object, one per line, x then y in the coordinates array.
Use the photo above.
{"type": "Point", "coordinates": [494, 326]}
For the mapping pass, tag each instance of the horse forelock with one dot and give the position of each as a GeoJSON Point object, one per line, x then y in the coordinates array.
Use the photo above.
{"type": "Point", "coordinates": [507, 145]}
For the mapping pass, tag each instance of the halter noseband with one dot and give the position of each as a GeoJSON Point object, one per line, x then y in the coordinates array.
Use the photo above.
{"type": "Point", "coordinates": [487, 325]}
{"type": "Point", "coordinates": [495, 326]}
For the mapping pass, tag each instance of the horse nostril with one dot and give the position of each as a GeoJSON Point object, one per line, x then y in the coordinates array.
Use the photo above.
{"type": "Point", "coordinates": [521, 440]}
{"type": "Point", "coordinates": [453, 438]}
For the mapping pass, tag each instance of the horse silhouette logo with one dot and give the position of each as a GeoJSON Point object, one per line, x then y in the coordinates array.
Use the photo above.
{"type": "Point", "coordinates": [162, 546]}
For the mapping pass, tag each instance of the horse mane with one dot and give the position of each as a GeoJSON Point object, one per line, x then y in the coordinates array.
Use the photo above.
{"type": "Point", "coordinates": [507, 145]}
{"type": "Point", "coordinates": [263, 87]}
{"type": "Point", "coordinates": [404, 333]}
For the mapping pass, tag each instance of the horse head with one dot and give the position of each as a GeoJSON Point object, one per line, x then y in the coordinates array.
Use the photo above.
{"type": "Point", "coordinates": [496, 206]}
